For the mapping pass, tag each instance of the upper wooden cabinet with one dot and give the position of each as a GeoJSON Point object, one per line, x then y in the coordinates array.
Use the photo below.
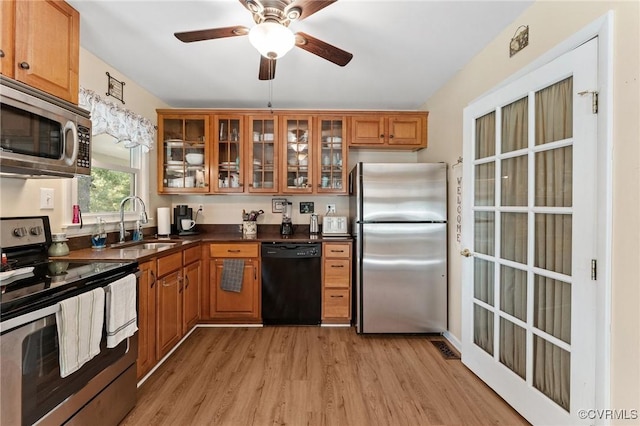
{"type": "Point", "coordinates": [331, 154]}
{"type": "Point", "coordinates": [263, 155]}
{"type": "Point", "coordinates": [228, 154]}
{"type": "Point", "coordinates": [40, 45]}
{"type": "Point", "coordinates": [297, 155]}
{"type": "Point", "coordinates": [183, 154]}
{"type": "Point", "coordinates": [391, 131]}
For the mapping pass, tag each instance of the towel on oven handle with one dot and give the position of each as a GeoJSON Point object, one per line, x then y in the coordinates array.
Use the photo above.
{"type": "Point", "coordinates": [121, 315]}
{"type": "Point", "coordinates": [79, 322]}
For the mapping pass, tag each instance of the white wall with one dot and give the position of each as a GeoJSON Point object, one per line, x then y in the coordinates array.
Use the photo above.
{"type": "Point", "coordinates": [551, 22]}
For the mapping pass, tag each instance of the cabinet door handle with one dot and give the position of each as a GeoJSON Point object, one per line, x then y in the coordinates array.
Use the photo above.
{"type": "Point", "coordinates": [164, 283]}
{"type": "Point", "coordinates": [1, 53]}
{"type": "Point", "coordinates": [382, 135]}
{"type": "Point", "coordinates": [337, 266]}
{"type": "Point", "coordinates": [390, 136]}
{"type": "Point", "coordinates": [186, 280]}
{"type": "Point", "coordinates": [255, 273]}
{"type": "Point", "coordinates": [153, 278]}
{"type": "Point", "coordinates": [24, 65]}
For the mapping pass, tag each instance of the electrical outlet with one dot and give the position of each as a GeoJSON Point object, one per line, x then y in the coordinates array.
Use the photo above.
{"type": "Point", "coordinates": [200, 207]}
{"type": "Point", "coordinates": [331, 208]}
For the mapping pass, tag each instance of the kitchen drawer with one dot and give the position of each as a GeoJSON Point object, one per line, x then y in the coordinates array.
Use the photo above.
{"type": "Point", "coordinates": [336, 273]}
{"type": "Point", "coordinates": [170, 263]}
{"type": "Point", "coordinates": [191, 254]}
{"type": "Point", "coordinates": [336, 250]}
{"type": "Point", "coordinates": [336, 303]}
{"type": "Point", "coordinates": [235, 250]}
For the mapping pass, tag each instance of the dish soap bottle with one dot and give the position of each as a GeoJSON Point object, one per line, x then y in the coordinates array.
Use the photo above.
{"type": "Point", "coordinates": [99, 237]}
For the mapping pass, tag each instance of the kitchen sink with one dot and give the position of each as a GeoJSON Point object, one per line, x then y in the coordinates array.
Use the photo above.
{"type": "Point", "coordinates": [146, 245]}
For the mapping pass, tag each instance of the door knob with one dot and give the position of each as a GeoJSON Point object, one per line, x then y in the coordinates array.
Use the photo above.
{"type": "Point", "coordinates": [466, 253]}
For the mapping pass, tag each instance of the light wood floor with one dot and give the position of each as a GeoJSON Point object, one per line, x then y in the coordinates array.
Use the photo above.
{"type": "Point", "coordinates": [314, 376]}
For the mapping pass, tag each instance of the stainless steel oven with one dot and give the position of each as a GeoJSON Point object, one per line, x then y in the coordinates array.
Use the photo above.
{"type": "Point", "coordinates": [41, 135]}
{"type": "Point", "coordinates": [33, 286]}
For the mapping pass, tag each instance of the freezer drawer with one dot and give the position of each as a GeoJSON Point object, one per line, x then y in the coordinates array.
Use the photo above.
{"type": "Point", "coordinates": [403, 278]}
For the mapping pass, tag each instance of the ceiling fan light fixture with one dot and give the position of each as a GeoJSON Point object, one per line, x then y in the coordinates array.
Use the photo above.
{"type": "Point", "coordinates": [271, 39]}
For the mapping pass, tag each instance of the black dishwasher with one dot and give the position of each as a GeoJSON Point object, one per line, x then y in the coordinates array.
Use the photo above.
{"type": "Point", "coordinates": [291, 283]}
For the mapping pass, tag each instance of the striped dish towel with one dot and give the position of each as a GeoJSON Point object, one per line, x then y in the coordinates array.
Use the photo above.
{"type": "Point", "coordinates": [121, 317]}
{"type": "Point", "coordinates": [232, 273]}
{"type": "Point", "coordinates": [79, 322]}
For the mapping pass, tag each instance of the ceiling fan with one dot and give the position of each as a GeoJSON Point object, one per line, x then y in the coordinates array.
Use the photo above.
{"type": "Point", "coordinates": [271, 35]}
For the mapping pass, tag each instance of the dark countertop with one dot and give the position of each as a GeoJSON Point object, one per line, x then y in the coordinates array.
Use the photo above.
{"type": "Point", "coordinates": [132, 251]}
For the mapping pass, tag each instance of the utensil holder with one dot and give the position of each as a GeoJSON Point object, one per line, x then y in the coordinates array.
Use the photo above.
{"type": "Point", "coordinates": [249, 227]}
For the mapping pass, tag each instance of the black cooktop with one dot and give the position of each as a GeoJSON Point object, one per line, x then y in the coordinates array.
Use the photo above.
{"type": "Point", "coordinates": [52, 281]}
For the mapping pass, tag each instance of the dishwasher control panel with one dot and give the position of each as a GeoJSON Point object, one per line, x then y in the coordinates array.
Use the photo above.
{"type": "Point", "coordinates": [291, 250]}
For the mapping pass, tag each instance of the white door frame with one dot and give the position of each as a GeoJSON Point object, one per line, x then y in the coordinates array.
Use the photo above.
{"type": "Point", "coordinates": [603, 29]}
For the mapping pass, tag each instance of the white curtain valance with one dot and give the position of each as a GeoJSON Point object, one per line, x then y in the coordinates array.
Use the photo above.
{"type": "Point", "coordinates": [125, 126]}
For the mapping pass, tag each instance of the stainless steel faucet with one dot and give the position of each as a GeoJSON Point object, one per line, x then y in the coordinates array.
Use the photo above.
{"type": "Point", "coordinates": [143, 214]}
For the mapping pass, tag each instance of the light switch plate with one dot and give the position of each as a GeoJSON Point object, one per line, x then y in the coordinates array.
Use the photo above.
{"type": "Point", "coordinates": [46, 198]}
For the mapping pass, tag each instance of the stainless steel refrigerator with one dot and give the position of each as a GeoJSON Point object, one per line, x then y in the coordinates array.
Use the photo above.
{"type": "Point", "coordinates": [399, 215]}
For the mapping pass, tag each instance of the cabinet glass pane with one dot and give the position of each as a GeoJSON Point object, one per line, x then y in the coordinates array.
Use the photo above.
{"type": "Point", "coordinates": [184, 152]}
{"type": "Point", "coordinates": [263, 149]}
{"type": "Point", "coordinates": [229, 153]}
{"type": "Point", "coordinates": [297, 153]}
{"type": "Point", "coordinates": [331, 154]}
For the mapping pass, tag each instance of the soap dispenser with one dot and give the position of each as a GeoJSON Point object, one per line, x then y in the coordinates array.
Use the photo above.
{"type": "Point", "coordinates": [99, 236]}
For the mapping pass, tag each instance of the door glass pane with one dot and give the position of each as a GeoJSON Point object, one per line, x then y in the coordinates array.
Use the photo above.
{"type": "Point", "coordinates": [513, 292]}
{"type": "Point", "coordinates": [553, 242]}
{"type": "Point", "coordinates": [483, 280]}
{"type": "Point", "coordinates": [515, 125]}
{"type": "Point", "coordinates": [483, 328]}
{"type": "Point", "coordinates": [514, 181]}
{"type": "Point", "coordinates": [552, 307]}
{"type": "Point", "coordinates": [552, 371]}
{"type": "Point", "coordinates": [554, 112]}
{"type": "Point", "coordinates": [513, 347]}
{"type": "Point", "coordinates": [514, 237]}
{"type": "Point", "coordinates": [554, 177]}
{"type": "Point", "coordinates": [484, 193]}
{"type": "Point", "coordinates": [486, 135]}
{"type": "Point", "coordinates": [484, 227]}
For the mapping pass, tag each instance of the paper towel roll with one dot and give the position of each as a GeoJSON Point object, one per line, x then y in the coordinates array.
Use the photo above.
{"type": "Point", "coordinates": [164, 221]}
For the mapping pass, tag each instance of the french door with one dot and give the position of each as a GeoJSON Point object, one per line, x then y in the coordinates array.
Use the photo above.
{"type": "Point", "coordinates": [529, 220]}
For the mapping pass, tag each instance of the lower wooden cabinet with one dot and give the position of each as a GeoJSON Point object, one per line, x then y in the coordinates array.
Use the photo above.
{"type": "Point", "coordinates": [232, 306]}
{"type": "Point", "coordinates": [147, 301]}
{"type": "Point", "coordinates": [168, 304]}
{"type": "Point", "coordinates": [336, 283]}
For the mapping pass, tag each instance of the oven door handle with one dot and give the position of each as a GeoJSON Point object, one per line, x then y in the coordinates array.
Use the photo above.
{"type": "Point", "coordinates": [29, 317]}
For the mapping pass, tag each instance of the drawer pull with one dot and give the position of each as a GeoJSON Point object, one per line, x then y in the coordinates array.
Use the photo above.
{"type": "Point", "coordinates": [233, 251]}
{"type": "Point", "coordinates": [337, 251]}
{"type": "Point", "coordinates": [337, 266]}
{"type": "Point", "coordinates": [337, 295]}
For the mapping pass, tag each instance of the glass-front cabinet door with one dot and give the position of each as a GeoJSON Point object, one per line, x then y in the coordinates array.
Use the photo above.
{"type": "Point", "coordinates": [182, 160]}
{"type": "Point", "coordinates": [331, 157]}
{"type": "Point", "coordinates": [262, 172]}
{"type": "Point", "coordinates": [297, 158]}
{"type": "Point", "coordinates": [228, 154]}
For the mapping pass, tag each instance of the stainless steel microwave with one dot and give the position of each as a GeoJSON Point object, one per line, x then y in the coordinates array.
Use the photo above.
{"type": "Point", "coordinates": [41, 135]}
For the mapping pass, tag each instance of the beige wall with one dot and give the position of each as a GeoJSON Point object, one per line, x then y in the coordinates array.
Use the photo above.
{"type": "Point", "coordinates": [551, 22]}
{"type": "Point", "coordinates": [21, 197]}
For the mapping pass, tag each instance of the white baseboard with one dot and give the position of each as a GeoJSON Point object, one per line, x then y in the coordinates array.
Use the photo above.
{"type": "Point", "coordinates": [453, 340]}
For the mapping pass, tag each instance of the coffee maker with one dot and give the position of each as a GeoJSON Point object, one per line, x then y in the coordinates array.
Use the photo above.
{"type": "Point", "coordinates": [182, 212]}
{"type": "Point", "coordinates": [286, 227]}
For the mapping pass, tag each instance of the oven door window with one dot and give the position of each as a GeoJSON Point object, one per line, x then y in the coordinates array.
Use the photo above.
{"type": "Point", "coordinates": [42, 387]}
{"type": "Point", "coordinates": [23, 132]}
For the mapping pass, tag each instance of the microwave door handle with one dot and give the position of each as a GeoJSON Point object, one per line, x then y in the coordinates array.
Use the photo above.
{"type": "Point", "coordinates": [70, 126]}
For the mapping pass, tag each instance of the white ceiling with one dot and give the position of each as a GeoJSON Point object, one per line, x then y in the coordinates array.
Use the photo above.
{"type": "Point", "coordinates": [403, 51]}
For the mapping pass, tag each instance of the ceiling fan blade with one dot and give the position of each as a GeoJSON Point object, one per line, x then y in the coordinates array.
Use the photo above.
{"type": "Point", "coordinates": [309, 7]}
{"type": "Point", "coordinates": [267, 68]}
{"type": "Point", "coordinates": [212, 33]}
{"type": "Point", "coordinates": [322, 49]}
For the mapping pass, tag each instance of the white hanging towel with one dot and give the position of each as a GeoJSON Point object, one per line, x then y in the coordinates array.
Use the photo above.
{"type": "Point", "coordinates": [79, 322]}
{"type": "Point", "coordinates": [121, 314]}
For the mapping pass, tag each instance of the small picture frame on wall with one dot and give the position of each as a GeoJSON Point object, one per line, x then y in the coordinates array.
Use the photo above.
{"type": "Point", "coordinates": [277, 205]}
